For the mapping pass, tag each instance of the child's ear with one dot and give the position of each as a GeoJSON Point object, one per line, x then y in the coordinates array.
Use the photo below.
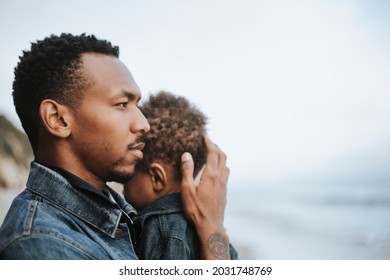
{"type": "Point", "coordinates": [158, 176]}
{"type": "Point", "coordinates": [54, 118]}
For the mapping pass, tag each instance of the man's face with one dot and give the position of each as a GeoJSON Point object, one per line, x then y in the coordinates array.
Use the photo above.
{"type": "Point", "coordinates": [106, 134]}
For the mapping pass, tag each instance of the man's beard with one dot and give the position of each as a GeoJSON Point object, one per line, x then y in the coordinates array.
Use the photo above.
{"type": "Point", "coordinates": [117, 175]}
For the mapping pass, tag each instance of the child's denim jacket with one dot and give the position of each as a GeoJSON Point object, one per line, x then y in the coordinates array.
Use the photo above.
{"type": "Point", "coordinates": [164, 233]}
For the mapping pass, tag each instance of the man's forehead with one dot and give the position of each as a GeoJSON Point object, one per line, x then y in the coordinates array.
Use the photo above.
{"type": "Point", "coordinates": [104, 61]}
{"type": "Point", "coordinates": [108, 70]}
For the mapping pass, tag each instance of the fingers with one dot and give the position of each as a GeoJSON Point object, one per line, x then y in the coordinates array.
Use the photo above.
{"type": "Point", "coordinates": [222, 158]}
{"type": "Point", "coordinates": [187, 171]}
{"type": "Point", "coordinates": [212, 154]}
{"type": "Point", "coordinates": [188, 189]}
{"type": "Point", "coordinates": [215, 166]}
{"type": "Point", "coordinates": [216, 162]}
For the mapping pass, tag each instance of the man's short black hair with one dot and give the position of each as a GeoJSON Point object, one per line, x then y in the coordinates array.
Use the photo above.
{"type": "Point", "coordinates": [176, 126]}
{"type": "Point", "coordinates": [51, 70]}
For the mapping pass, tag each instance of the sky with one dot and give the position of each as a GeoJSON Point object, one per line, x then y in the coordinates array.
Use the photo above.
{"type": "Point", "coordinates": [295, 91]}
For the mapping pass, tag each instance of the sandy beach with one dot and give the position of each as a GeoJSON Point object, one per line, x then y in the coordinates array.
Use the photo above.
{"type": "Point", "coordinates": [6, 197]}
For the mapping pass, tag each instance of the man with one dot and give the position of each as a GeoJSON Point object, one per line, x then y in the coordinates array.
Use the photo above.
{"type": "Point", "coordinates": [77, 103]}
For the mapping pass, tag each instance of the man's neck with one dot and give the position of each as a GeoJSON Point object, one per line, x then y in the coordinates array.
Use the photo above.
{"type": "Point", "coordinates": [73, 179]}
{"type": "Point", "coordinates": [74, 169]}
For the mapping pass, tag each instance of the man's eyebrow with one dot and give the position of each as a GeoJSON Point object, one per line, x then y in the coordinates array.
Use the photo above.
{"type": "Point", "coordinates": [131, 96]}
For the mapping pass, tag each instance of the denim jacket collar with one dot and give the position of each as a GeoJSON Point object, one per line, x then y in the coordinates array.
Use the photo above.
{"type": "Point", "coordinates": [96, 210]}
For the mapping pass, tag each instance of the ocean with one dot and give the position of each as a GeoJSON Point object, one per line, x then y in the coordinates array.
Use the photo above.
{"type": "Point", "coordinates": [302, 222]}
{"type": "Point", "coordinates": [306, 222]}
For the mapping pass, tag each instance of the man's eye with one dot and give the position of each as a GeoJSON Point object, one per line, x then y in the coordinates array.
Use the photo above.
{"type": "Point", "coordinates": [123, 105]}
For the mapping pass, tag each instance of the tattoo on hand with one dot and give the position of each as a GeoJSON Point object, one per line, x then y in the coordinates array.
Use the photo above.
{"type": "Point", "coordinates": [219, 246]}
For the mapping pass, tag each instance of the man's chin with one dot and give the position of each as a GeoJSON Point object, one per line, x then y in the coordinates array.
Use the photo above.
{"type": "Point", "coordinates": [121, 172]}
{"type": "Point", "coordinates": [121, 176]}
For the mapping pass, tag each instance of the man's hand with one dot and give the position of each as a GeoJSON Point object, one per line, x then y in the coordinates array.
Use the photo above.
{"type": "Point", "coordinates": [204, 205]}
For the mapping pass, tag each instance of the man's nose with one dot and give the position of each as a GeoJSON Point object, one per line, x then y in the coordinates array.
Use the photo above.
{"type": "Point", "coordinates": [139, 124]}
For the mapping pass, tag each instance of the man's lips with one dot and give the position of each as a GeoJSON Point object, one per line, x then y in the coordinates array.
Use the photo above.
{"type": "Point", "coordinates": [136, 149]}
{"type": "Point", "coordinates": [137, 146]}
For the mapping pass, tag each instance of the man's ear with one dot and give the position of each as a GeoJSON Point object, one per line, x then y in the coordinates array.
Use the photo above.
{"type": "Point", "coordinates": [55, 118]}
{"type": "Point", "coordinates": [158, 176]}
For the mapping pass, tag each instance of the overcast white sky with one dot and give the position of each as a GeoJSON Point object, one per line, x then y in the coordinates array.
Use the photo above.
{"type": "Point", "coordinates": [294, 90]}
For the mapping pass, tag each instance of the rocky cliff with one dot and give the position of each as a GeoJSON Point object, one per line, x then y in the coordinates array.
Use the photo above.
{"type": "Point", "coordinates": [15, 155]}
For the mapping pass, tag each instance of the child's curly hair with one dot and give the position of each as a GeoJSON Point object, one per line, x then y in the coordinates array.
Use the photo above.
{"type": "Point", "coordinates": [176, 126]}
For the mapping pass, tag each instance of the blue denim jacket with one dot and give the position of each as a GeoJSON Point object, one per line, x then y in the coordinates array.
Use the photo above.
{"type": "Point", "coordinates": [51, 219]}
{"type": "Point", "coordinates": [163, 233]}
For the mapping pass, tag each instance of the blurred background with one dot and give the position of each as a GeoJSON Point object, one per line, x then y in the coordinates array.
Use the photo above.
{"type": "Point", "coordinates": [297, 94]}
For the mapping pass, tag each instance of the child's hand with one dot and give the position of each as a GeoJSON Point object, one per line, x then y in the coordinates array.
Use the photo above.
{"type": "Point", "coordinates": [204, 205]}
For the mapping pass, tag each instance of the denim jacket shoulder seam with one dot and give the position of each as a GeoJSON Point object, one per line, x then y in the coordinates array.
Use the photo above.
{"type": "Point", "coordinates": [162, 225]}
{"type": "Point", "coordinates": [28, 222]}
{"type": "Point", "coordinates": [141, 219]}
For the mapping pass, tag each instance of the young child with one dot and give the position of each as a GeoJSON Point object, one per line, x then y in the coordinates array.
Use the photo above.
{"type": "Point", "coordinates": [162, 230]}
